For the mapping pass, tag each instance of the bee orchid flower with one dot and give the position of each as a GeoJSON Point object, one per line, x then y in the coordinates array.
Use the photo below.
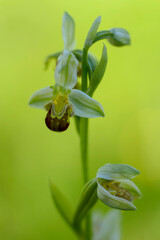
{"type": "Point", "coordinates": [63, 101]}
{"type": "Point", "coordinates": [115, 189]}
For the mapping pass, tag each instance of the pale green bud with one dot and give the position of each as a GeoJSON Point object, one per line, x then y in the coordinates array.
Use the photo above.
{"type": "Point", "coordinates": [114, 187]}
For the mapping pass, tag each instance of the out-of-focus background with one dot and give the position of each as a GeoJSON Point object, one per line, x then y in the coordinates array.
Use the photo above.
{"type": "Point", "coordinates": [30, 154]}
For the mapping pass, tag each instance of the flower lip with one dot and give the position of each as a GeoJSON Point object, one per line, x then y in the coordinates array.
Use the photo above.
{"type": "Point", "coordinates": [57, 124]}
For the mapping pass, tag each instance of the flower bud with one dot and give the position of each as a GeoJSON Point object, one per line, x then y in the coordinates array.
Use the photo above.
{"type": "Point", "coordinates": [114, 187]}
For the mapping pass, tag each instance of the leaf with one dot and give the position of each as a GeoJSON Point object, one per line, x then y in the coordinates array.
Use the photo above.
{"type": "Point", "coordinates": [98, 73]}
{"type": "Point", "coordinates": [41, 98]}
{"type": "Point", "coordinates": [68, 32]}
{"type": "Point", "coordinates": [92, 33]}
{"type": "Point", "coordinates": [117, 171]}
{"type": "Point", "coordinates": [84, 105]}
{"type": "Point", "coordinates": [50, 58]}
{"type": "Point", "coordinates": [108, 226]}
{"type": "Point", "coordinates": [62, 204]}
{"type": "Point", "coordinates": [87, 200]}
{"type": "Point", "coordinates": [120, 37]}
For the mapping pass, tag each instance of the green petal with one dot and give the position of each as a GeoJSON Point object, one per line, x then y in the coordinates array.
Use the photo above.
{"type": "Point", "coordinates": [66, 70]}
{"type": "Point", "coordinates": [113, 201]}
{"type": "Point", "coordinates": [41, 98]}
{"type": "Point", "coordinates": [68, 32]}
{"type": "Point", "coordinates": [117, 171]}
{"type": "Point", "coordinates": [131, 187]}
{"type": "Point", "coordinates": [50, 58]}
{"type": "Point", "coordinates": [84, 105]}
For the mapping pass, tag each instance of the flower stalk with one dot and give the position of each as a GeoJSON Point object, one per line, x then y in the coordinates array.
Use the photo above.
{"type": "Point", "coordinates": [84, 139]}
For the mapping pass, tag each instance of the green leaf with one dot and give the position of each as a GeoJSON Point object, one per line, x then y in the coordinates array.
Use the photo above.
{"type": "Point", "coordinates": [108, 226]}
{"type": "Point", "coordinates": [92, 33]}
{"type": "Point", "coordinates": [66, 70]}
{"type": "Point", "coordinates": [120, 37]}
{"type": "Point", "coordinates": [117, 171]}
{"type": "Point", "coordinates": [51, 57]}
{"type": "Point", "coordinates": [87, 200]}
{"type": "Point", "coordinates": [62, 204]}
{"type": "Point", "coordinates": [84, 105]}
{"type": "Point", "coordinates": [113, 201]}
{"type": "Point", "coordinates": [41, 98]}
{"type": "Point", "coordinates": [68, 32]}
{"type": "Point", "coordinates": [98, 73]}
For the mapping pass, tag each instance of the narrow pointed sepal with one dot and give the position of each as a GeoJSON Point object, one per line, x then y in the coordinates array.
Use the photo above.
{"type": "Point", "coordinates": [41, 98]}
{"type": "Point", "coordinates": [68, 32]}
{"type": "Point", "coordinates": [84, 105]}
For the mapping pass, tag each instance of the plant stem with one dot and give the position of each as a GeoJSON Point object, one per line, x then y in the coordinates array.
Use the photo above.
{"type": "Point", "coordinates": [84, 139]}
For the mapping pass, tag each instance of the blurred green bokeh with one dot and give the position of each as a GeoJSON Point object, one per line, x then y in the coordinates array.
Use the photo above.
{"type": "Point", "coordinates": [30, 154]}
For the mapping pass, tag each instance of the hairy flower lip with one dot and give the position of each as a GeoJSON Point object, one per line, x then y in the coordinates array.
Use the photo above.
{"type": "Point", "coordinates": [57, 124]}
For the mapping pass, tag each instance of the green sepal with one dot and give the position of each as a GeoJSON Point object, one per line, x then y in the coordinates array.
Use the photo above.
{"type": "Point", "coordinates": [51, 57]}
{"type": "Point", "coordinates": [87, 200]}
{"type": "Point", "coordinates": [117, 171]}
{"type": "Point", "coordinates": [107, 226]}
{"type": "Point", "coordinates": [113, 201]}
{"type": "Point", "coordinates": [62, 204]}
{"type": "Point", "coordinates": [92, 33]}
{"type": "Point", "coordinates": [131, 187]}
{"type": "Point", "coordinates": [41, 98]}
{"type": "Point", "coordinates": [85, 106]}
{"type": "Point", "coordinates": [68, 32]}
{"type": "Point", "coordinates": [98, 73]}
{"type": "Point", "coordinates": [120, 37]}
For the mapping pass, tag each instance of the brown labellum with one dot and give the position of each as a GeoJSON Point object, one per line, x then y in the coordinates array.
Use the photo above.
{"type": "Point", "coordinates": [55, 124]}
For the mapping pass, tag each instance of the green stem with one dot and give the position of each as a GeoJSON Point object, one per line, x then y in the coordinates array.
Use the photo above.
{"type": "Point", "coordinates": [84, 139]}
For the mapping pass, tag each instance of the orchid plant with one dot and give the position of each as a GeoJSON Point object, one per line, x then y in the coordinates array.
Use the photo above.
{"type": "Point", "coordinates": [69, 97]}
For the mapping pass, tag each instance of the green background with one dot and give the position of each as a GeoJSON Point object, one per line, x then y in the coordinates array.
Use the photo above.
{"type": "Point", "coordinates": [30, 154]}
